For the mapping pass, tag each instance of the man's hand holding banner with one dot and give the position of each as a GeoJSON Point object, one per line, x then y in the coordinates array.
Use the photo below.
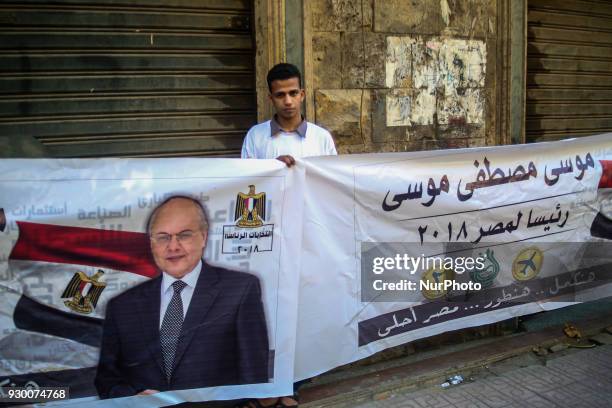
{"type": "Point", "coordinates": [355, 254]}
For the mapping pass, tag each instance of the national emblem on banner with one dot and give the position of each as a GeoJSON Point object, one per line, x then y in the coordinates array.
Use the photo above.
{"type": "Point", "coordinates": [250, 208]}
{"type": "Point", "coordinates": [248, 234]}
{"type": "Point", "coordinates": [84, 292]}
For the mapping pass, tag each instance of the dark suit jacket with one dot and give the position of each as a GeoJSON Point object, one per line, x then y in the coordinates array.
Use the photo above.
{"type": "Point", "coordinates": [223, 339]}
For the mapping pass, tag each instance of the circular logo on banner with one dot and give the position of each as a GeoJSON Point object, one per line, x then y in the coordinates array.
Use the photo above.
{"type": "Point", "coordinates": [433, 282]}
{"type": "Point", "coordinates": [527, 264]}
{"type": "Point", "coordinates": [487, 274]}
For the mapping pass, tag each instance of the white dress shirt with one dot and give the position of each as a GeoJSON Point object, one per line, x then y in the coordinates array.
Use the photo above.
{"type": "Point", "coordinates": [167, 291]}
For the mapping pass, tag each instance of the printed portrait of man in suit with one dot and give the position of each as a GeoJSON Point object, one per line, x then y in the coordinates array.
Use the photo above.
{"type": "Point", "coordinates": [193, 326]}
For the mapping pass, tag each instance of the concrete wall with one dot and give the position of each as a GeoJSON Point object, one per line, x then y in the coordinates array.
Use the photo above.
{"type": "Point", "coordinates": [400, 75]}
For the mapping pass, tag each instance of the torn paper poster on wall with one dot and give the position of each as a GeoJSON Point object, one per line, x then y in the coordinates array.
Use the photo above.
{"type": "Point", "coordinates": [444, 77]}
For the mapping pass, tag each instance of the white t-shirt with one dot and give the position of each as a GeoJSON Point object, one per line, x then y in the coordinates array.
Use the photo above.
{"type": "Point", "coordinates": [259, 142]}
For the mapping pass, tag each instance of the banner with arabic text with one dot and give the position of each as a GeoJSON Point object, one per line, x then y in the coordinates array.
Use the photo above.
{"type": "Point", "coordinates": [402, 246]}
{"type": "Point", "coordinates": [73, 236]}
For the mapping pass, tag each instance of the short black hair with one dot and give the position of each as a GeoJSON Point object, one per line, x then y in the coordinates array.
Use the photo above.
{"type": "Point", "coordinates": [283, 71]}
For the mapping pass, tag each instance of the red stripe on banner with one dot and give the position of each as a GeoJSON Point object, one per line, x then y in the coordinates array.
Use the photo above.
{"type": "Point", "coordinates": [606, 174]}
{"type": "Point", "coordinates": [120, 250]}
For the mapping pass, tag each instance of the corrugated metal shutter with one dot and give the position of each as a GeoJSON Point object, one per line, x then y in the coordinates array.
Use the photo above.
{"type": "Point", "coordinates": [569, 72]}
{"type": "Point", "coordinates": [128, 77]}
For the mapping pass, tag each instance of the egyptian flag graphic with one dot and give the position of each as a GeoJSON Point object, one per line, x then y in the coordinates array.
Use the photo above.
{"type": "Point", "coordinates": [602, 224]}
{"type": "Point", "coordinates": [53, 307]}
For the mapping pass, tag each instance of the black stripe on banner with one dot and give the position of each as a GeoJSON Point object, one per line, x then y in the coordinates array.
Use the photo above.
{"type": "Point", "coordinates": [33, 316]}
{"type": "Point", "coordinates": [601, 227]}
{"type": "Point", "coordinates": [80, 381]}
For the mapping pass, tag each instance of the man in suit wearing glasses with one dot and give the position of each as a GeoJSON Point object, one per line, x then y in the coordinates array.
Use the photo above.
{"type": "Point", "coordinates": [193, 326]}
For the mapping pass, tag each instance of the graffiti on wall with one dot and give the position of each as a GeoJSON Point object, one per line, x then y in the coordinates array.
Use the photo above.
{"type": "Point", "coordinates": [435, 79]}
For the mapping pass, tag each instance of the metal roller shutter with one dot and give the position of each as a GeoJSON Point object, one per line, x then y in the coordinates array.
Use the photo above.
{"type": "Point", "coordinates": [128, 77]}
{"type": "Point", "coordinates": [569, 69]}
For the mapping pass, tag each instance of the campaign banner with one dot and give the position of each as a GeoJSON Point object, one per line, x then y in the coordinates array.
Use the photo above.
{"type": "Point", "coordinates": [354, 254]}
{"type": "Point", "coordinates": [73, 237]}
{"type": "Point", "coordinates": [402, 246]}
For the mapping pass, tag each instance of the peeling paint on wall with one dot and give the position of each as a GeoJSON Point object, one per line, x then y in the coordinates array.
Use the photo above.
{"type": "Point", "coordinates": [445, 11]}
{"type": "Point", "coordinates": [398, 66]}
{"type": "Point", "coordinates": [463, 62]}
{"type": "Point", "coordinates": [398, 106]}
{"type": "Point", "coordinates": [475, 106]}
{"type": "Point", "coordinates": [424, 107]}
{"type": "Point", "coordinates": [445, 75]}
{"type": "Point", "coordinates": [465, 110]}
{"type": "Point", "coordinates": [426, 57]}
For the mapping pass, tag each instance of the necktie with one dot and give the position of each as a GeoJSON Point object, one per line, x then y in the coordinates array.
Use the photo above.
{"type": "Point", "coordinates": [171, 327]}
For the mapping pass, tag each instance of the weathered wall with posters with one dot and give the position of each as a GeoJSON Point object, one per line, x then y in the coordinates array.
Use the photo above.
{"type": "Point", "coordinates": [398, 75]}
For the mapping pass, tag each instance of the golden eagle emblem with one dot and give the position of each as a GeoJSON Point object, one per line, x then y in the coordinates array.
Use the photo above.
{"type": "Point", "coordinates": [84, 292]}
{"type": "Point", "coordinates": [250, 209]}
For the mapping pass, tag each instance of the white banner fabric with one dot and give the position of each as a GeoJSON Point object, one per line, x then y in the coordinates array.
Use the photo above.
{"type": "Point", "coordinates": [481, 197]}
{"type": "Point", "coordinates": [324, 218]}
{"type": "Point", "coordinates": [110, 200]}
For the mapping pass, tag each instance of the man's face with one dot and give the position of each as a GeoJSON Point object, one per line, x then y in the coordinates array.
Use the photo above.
{"type": "Point", "coordinates": [287, 97]}
{"type": "Point", "coordinates": [178, 220]}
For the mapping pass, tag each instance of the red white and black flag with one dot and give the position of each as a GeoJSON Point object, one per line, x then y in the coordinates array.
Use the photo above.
{"type": "Point", "coordinates": [62, 277]}
{"type": "Point", "coordinates": [72, 237]}
{"type": "Point", "coordinates": [602, 225]}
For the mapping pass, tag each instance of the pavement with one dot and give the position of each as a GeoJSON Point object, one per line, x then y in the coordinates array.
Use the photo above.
{"type": "Point", "coordinates": [580, 378]}
{"type": "Point", "coordinates": [541, 368]}
{"type": "Point", "coordinates": [544, 368]}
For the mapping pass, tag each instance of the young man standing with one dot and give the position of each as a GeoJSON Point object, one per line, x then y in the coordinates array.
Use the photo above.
{"type": "Point", "coordinates": [287, 135]}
